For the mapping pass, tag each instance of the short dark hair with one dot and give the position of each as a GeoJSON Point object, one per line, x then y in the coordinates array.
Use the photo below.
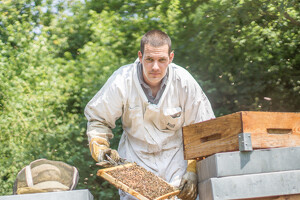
{"type": "Point", "coordinates": [155, 38]}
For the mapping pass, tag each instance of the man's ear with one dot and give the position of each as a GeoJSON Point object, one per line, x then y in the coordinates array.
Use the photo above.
{"type": "Point", "coordinates": [140, 56]}
{"type": "Point", "coordinates": [171, 57]}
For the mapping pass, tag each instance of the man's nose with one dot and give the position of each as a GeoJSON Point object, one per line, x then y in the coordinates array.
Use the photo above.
{"type": "Point", "coordinates": [155, 66]}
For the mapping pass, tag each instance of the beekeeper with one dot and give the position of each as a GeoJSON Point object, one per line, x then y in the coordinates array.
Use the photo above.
{"type": "Point", "coordinates": [155, 98]}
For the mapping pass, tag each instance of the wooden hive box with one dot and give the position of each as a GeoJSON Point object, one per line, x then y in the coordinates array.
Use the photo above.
{"type": "Point", "coordinates": [223, 134]}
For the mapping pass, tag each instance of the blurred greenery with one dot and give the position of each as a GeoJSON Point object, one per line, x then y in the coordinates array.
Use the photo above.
{"type": "Point", "coordinates": [55, 55]}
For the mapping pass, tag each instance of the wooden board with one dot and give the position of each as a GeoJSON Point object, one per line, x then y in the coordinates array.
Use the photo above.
{"type": "Point", "coordinates": [268, 130]}
{"type": "Point", "coordinates": [118, 184]}
{"type": "Point", "coordinates": [272, 129]}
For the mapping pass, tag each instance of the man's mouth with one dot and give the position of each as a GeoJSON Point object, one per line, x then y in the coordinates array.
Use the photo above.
{"type": "Point", "coordinates": [155, 74]}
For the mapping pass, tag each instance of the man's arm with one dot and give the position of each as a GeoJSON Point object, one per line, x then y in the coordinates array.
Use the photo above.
{"type": "Point", "coordinates": [102, 112]}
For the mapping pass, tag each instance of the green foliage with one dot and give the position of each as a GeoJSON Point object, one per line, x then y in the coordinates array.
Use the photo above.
{"type": "Point", "coordinates": [55, 57]}
{"type": "Point", "coordinates": [246, 54]}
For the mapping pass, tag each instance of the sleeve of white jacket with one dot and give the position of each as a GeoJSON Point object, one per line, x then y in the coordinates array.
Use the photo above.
{"type": "Point", "coordinates": [197, 105]}
{"type": "Point", "coordinates": [104, 109]}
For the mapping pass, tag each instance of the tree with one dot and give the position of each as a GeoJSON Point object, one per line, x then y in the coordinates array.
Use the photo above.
{"type": "Point", "coordinates": [246, 54]}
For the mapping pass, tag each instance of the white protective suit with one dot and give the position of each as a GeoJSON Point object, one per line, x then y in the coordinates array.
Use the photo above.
{"type": "Point", "coordinates": [152, 134]}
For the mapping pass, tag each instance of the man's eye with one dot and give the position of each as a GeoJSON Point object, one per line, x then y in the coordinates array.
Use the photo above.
{"type": "Point", "coordinates": [162, 60]}
{"type": "Point", "coordinates": [149, 59]}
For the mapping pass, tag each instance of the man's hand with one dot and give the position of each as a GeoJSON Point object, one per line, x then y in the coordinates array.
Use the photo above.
{"type": "Point", "coordinates": [188, 184]}
{"type": "Point", "coordinates": [113, 159]}
{"type": "Point", "coordinates": [99, 148]}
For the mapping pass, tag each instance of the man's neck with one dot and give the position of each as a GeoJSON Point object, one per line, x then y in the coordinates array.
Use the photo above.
{"type": "Point", "coordinates": [155, 89]}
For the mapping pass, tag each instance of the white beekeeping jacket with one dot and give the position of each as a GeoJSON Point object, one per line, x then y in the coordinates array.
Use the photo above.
{"type": "Point", "coordinates": [152, 133]}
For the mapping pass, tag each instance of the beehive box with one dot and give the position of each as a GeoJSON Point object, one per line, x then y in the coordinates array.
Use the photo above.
{"type": "Point", "coordinates": [65, 195]}
{"type": "Point", "coordinates": [138, 182]}
{"type": "Point", "coordinates": [253, 162]}
{"type": "Point", "coordinates": [267, 130]}
{"type": "Point", "coordinates": [273, 185]}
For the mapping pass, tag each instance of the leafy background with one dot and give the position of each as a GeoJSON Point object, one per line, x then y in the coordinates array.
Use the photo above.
{"type": "Point", "coordinates": [55, 55]}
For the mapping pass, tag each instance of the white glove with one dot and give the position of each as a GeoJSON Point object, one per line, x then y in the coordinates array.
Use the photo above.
{"type": "Point", "coordinates": [188, 186]}
{"type": "Point", "coordinates": [99, 148]}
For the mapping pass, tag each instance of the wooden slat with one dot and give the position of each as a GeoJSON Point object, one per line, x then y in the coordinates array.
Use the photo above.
{"type": "Point", "coordinates": [274, 123]}
{"type": "Point", "coordinates": [168, 196]}
{"type": "Point", "coordinates": [272, 129]}
{"type": "Point", "coordinates": [104, 170]}
{"type": "Point", "coordinates": [262, 141]}
{"type": "Point", "coordinates": [216, 135]}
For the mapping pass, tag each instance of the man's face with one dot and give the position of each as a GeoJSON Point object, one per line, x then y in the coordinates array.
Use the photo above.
{"type": "Point", "coordinates": [155, 63]}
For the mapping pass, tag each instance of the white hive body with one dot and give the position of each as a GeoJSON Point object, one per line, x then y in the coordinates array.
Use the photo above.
{"type": "Point", "coordinates": [65, 195]}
